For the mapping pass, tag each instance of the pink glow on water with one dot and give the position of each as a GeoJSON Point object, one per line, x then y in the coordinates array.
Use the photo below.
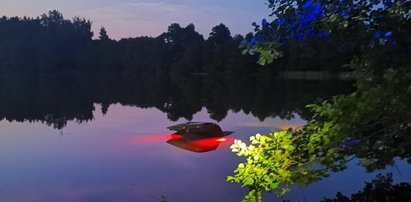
{"type": "Point", "coordinates": [153, 138]}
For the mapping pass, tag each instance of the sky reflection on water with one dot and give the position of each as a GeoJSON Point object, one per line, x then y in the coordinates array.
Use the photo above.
{"type": "Point", "coordinates": [123, 156]}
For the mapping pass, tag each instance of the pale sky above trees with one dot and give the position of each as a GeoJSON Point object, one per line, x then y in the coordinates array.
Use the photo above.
{"type": "Point", "coordinates": [130, 18]}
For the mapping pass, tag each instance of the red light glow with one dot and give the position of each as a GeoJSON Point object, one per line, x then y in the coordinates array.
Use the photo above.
{"type": "Point", "coordinates": [200, 145]}
{"type": "Point", "coordinates": [153, 138]}
{"type": "Point", "coordinates": [221, 140]}
{"type": "Point", "coordinates": [176, 136]}
{"type": "Point", "coordinates": [178, 140]}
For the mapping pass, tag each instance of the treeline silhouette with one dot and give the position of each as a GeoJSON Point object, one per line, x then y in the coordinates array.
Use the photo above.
{"type": "Point", "coordinates": [50, 44]}
{"type": "Point", "coordinates": [44, 44]}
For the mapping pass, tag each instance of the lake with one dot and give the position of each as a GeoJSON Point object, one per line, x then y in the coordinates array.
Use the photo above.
{"type": "Point", "coordinates": [105, 139]}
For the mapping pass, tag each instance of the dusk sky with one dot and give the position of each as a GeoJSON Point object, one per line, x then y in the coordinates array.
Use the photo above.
{"type": "Point", "coordinates": [131, 18]}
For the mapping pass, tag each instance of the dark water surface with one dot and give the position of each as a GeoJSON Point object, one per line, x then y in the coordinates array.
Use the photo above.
{"type": "Point", "coordinates": [87, 140]}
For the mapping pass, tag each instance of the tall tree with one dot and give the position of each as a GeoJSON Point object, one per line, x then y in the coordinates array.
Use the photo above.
{"type": "Point", "coordinates": [103, 34]}
{"type": "Point", "coordinates": [219, 34]}
{"type": "Point", "coordinates": [53, 18]}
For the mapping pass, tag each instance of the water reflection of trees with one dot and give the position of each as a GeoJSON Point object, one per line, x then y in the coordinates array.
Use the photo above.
{"type": "Point", "coordinates": [380, 189]}
{"type": "Point", "coordinates": [56, 100]}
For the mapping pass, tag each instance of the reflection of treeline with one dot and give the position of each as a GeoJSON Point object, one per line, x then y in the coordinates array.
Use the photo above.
{"type": "Point", "coordinates": [56, 100]}
{"type": "Point", "coordinates": [380, 189]}
{"type": "Point", "coordinates": [52, 44]}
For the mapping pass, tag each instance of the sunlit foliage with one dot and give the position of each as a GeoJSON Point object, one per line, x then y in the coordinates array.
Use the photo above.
{"type": "Point", "coordinates": [373, 124]}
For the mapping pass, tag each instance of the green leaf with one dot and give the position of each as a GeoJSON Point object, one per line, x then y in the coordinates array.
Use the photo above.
{"type": "Point", "coordinates": [274, 185]}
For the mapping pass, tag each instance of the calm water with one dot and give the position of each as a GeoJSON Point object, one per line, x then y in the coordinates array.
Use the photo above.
{"type": "Point", "coordinates": [62, 140]}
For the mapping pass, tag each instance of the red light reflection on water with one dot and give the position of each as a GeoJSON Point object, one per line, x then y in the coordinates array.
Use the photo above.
{"type": "Point", "coordinates": [200, 145]}
{"type": "Point", "coordinates": [196, 145]}
{"type": "Point", "coordinates": [212, 141]}
{"type": "Point", "coordinates": [152, 138]}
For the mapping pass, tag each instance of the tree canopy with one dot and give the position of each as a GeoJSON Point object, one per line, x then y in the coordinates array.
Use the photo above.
{"type": "Point", "coordinates": [373, 124]}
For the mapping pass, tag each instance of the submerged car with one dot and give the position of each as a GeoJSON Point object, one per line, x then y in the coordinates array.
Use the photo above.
{"type": "Point", "coordinates": [199, 130]}
{"type": "Point", "coordinates": [197, 136]}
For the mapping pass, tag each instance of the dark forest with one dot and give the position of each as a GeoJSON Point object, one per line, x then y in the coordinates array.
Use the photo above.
{"type": "Point", "coordinates": [50, 44]}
